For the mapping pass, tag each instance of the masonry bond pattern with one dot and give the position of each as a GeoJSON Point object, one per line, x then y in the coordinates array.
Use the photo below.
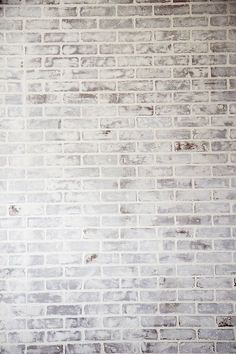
{"type": "Point", "coordinates": [117, 176]}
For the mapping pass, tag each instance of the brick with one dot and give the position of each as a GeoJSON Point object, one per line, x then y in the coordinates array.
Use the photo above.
{"type": "Point", "coordinates": [11, 50]}
{"type": "Point", "coordinates": [79, 24]}
{"type": "Point", "coordinates": [166, 85]}
{"type": "Point", "coordinates": [174, 35]}
{"type": "Point", "coordinates": [209, 9]}
{"type": "Point", "coordinates": [99, 36]}
{"type": "Point", "coordinates": [79, 49]}
{"type": "Point", "coordinates": [211, 84]}
{"type": "Point", "coordinates": [206, 59]}
{"type": "Point", "coordinates": [217, 334]}
{"type": "Point", "coordinates": [122, 321]}
{"type": "Point", "coordinates": [212, 308]}
{"type": "Point", "coordinates": [153, 73]}
{"type": "Point", "coordinates": [153, 48]}
{"type": "Point", "coordinates": [98, 61]}
{"type": "Point", "coordinates": [222, 47]}
{"type": "Point", "coordinates": [83, 348]}
{"type": "Point", "coordinates": [210, 35]}
{"type": "Point", "coordinates": [204, 347]}
{"type": "Point", "coordinates": [60, 37]}
{"type": "Point", "coordinates": [42, 24]}
{"type": "Point", "coordinates": [151, 347]}
{"type": "Point", "coordinates": [116, 49]}
{"type": "Point", "coordinates": [223, 72]}
{"type": "Point", "coordinates": [225, 346]}
{"type": "Point", "coordinates": [7, 25]}
{"type": "Point", "coordinates": [134, 61]}
{"type": "Point", "coordinates": [60, 12]}
{"type": "Point", "coordinates": [152, 23]}
{"type": "Point", "coordinates": [177, 334]}
{"type": "Point", "coordinates": [142, 36]}
{"type": "Point", "coordinates": [115, 23]}
{"type": "Point", "coordinates": [190, 21]}
{"type": "Point", "coordinates": [93, 11]}
{"type": "Point", "coordinates": [40, 349]}
{"type": "Point", "coordinates": [134, 10]}
{"type": "Point", "coordinates": [196, 321]}
{"type": "Point", "coordinates": [142, 334]}
{"type": "Point", "coordinates": [23, 12]}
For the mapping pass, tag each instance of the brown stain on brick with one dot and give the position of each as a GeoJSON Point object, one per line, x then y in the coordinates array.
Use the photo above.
{"type": "Point", "coordinates": [13, 210]}
{"type": "Point", "coordinates": [162, 281]}
{"type": "Point", "coordinates": [183, 232]}
{"type": "Point", "coordinates": [177, 146]}
{"type": "Point", "coordinates": [91, 258]}
{"type": "Point", "coordinates": [198, 284]}
{"type": "Point", "coordinates": [226, 322]}
{"type": "Point", "coordinates": [107, 132]}
{"type": "Point", "coordinates": [199, 245]}
{"type": "Point", "coordinates": [185, 146]}
{"type": "Point", "coordinates": [190, 146]}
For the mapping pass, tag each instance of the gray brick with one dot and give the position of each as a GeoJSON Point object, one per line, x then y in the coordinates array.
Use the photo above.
{"type": "Point", "coordinates": [151, 347]}
{"type": "Point", "coordinates": [82, 322]}
{"type": "Point", "coordinates": [7, 24]}
{"type": "Point", "coordinates": [177, 334]}
{"type": "Point", "coordinates": [152, 22]}
{"type": "Point", "coordinates": [64, 310]}
{"type": "Point", "coordinates": [115, 23]}
{"type": "Point", "coordinates": [40, 349]}
{"type": "Point", "coordinates": [222, 347]}
{"type": "Point", "coordinates": [217, 334]}
{"type": "Point", "coordinates": [63, 336]}
{"type": "Point", "coordinates": [60, 12]}
{"type": "Point", "coordinates": [208, 59]}
{"type": "Point", "coordinates": [193, 21]}
{"type": "Point", "coordinates": [121, 321]}
{"type": "Point", "coordinates": [79, 23]}
{"type": "Point", "coordinates": [83, 348]}
{"type": "Point", "coordinates": [167, 10]}
{"type": "Point", "coordinates": [120, 347]}
{"type": "Point", "coordinates": [212, 308]}
{"type": "Point", "coordinates": [42, 24]}
{"type": "Point", "coordinates": [209, 9]}
{"type": "Point", "coordinates": [134, 10]}
{"type": "Point", "coordinates": [153, 48]}
{"type": "Point", "coordinates": [202, 347]}
{"type": "Point", "coordinates": [212, 35]}
{"type": "Point", "coordinates": [158, 321]}
{"type": "Point", "coordinates": [142, 36]}
{"type": "Point", "coordinates": [93, 11]}
{"type": "Point", "coordinates": [196, 321]}
{"type": "Point", "coordinates": [102, 335]}
{"type": "Point", "coordinates": [147, 334]}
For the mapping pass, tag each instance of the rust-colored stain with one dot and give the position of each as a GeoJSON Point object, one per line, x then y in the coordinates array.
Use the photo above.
{"type": "Point", "coordinates": [13, 210]}
{"type": "Point", "coordinates": [226, 322]}
{"type": "Point", "coordinates": [106, 132]}
{"type": "Point", "coordinates": [185, 146]}
{"type": "Point", "coordinates": [91, 258]}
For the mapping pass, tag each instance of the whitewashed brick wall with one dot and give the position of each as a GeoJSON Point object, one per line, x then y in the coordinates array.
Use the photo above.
{"type": "Point", "coordinates": [117, 176]}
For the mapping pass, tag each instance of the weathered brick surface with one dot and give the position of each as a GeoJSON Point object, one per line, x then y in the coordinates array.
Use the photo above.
{"type": "Point", "coordinates": [117, 176]}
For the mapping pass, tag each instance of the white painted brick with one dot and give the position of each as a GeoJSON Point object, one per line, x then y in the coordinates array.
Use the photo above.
{"type": "Point", "coordinates": [117, 176]}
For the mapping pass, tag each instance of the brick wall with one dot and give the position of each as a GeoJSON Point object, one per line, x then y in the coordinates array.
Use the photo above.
{"type": "Point", "coordinates": [117, 176]}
